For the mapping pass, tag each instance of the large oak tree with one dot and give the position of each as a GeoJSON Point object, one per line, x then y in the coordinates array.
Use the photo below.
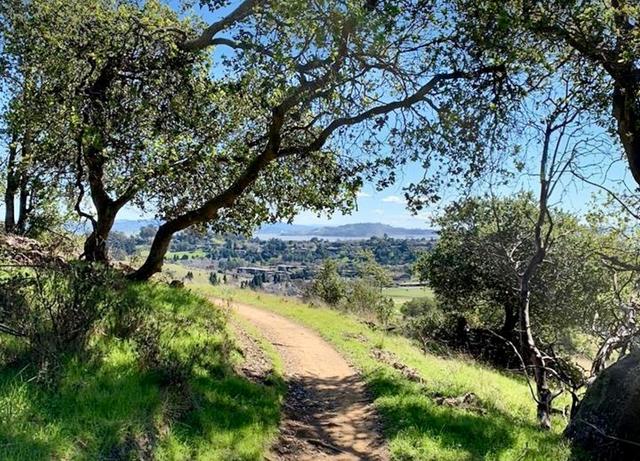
{"type": "Point", "coordinates": [327, 95]}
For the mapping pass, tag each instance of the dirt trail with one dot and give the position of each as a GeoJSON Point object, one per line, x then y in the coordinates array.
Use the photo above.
{"type": "Point", "coordinates": [327, 412]}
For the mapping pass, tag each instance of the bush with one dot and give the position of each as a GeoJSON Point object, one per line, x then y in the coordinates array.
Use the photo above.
{"type": "Point", "coordinates": [55, 310]}
{"type": "Point", "coordinates": [366, 299]}
{"type": "Point", "coordinates": [328, 285]}
{"type": "Point", "coordinates": [422, 318]}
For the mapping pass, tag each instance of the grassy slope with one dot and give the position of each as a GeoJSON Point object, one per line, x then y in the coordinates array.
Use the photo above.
{"type": "Point", "coordinates": [417, 428]}
{"type": "Point", "coordinates": [401, 295]}
{"type": "Point", "coordinates": [99, 410]}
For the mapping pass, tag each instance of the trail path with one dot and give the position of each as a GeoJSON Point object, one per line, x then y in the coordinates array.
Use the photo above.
{"type": "Point", "coordinates": [328, 414]}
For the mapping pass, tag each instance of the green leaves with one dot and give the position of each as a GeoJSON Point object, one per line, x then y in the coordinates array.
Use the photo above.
{"type": "Point", "coordinates": [483, 246]}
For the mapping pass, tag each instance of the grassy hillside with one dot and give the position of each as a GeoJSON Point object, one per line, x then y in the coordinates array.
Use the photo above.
{"type": "Point", "coordinates": [503, 428]}
{"type": "Point", "coordinates": [109, 406]}
{"type": "Point", "coordinates": [401, 295]}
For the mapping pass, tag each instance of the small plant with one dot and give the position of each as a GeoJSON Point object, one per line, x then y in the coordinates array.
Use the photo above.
{"type": "Point", "coordinates": [55, 310]}
{"type": "Point", "coordinates": [328, 285]}
{"type": "Point", "coordinates": [422, 318]}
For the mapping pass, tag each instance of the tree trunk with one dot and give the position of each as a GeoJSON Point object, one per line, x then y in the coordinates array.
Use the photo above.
{"type": "Point", "coordinates": [209, 210]}
{"type": "Point", "coordinates": [618, 340]}
{"type": "Point", "coordinates": [603, 354]}
{"type": "Point", "coordinates": [510, 322]}
{"type": "Point", "coordinates": [10, 192]}
{"type": "Point", "coordinates": [627, 114]}
{"type": "Point", "coordinates": [531, 353]}
{"type": "Point", "coordinates": [9, 217]}
{"type": "Point", "coordinates": [155, 259]}
{"type": "Point", "coordinates": [21, 177]}
{"type": "Point", "coordinates": [23, 210]}
{"type": "Point", "coordinates": [95, 247]}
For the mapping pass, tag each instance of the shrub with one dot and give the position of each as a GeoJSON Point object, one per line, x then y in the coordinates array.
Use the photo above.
{"type": "Point", "coordinates": [422, 318]}
{"type": "Point", "coordinates": [366, 299]}
{"type": "Point", "coordinates": [55, 310]}
{"type": "Point", "coordinates": [328, 285]}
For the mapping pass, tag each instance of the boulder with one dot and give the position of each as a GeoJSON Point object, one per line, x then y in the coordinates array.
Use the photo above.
{"type": "Point", "coordinates": [607, 422]}
{"type": "Point", "coordinates": [176, 284]}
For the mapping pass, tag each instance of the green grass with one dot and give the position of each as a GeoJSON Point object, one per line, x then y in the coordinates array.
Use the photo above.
{"type": "Point", "coordinates": [102, 408]}
{"type": "Point", "coordinates": [401, 295]}
{"type": "Point", "coordinates": [415, 426]}
{"type": "Point", "coordinates": [195, 254]}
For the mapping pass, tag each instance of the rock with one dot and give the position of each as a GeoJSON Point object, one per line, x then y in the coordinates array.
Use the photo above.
{"type": "Point", "coordinates": [468, 401]}
{"type": "Point", "coordinates": [606, 421]}
{"type": "Point", "coordinates": [390, 359]}
{"type": "Point", "coordinates": [23, 251]}
{"type": "Point", "coordinates": [176, 284]}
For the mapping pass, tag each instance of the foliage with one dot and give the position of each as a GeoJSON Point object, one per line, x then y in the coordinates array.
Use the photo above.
{"type": "Point", "coordinates": [472, 268]}
{"type": "Point", "coordinates": [362, 294]}
{"type": "Point", "coordinates": [368, 269]}
{"type": "Point", "coordinates": [422, 318]}
{"type": "Point", "coordinates": [271, 129]}
{"type": "Point", "coordinates": [181, 401]}
{"type": "Point", "coordinates": [257, 281]}
{"type": "Point", "coordinates": [366, 299]}
{"type": "Point", "coordinates": [57, 309]}
{"type": "Point", "coordinates": [327, 284]}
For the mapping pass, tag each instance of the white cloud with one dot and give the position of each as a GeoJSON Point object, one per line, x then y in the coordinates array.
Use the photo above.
{"type": "Point", "coordinates": [378, 211]}
{"type": "Point", "coordinates": [362, 194]}
{"type": "Point", "coordinates": [393, 199]}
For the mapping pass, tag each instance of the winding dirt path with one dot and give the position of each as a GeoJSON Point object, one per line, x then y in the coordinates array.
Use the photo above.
{"type": "Point", "coordinates": [328, 414]}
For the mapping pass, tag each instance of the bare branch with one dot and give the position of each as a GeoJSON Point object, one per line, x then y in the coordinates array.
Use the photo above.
{"type": "Point", "coordinates": [207, 36]}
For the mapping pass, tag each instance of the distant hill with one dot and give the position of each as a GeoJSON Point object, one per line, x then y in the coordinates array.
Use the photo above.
{"type": "Point", "coordinates": [285, 229]}
{"type": "Point", "coordinates": [359, 230]}
{"type": "Point", "coordinates": [132, 226]}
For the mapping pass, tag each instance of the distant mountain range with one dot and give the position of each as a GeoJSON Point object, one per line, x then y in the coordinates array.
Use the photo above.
{"type": "Point", "coordinates": [133, 226]}
{"type": "Point", "coordinates": [359, 230]}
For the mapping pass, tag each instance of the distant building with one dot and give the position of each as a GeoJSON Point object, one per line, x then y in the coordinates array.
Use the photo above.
{"type": "Point", "coordinates": [254, 270]}
{"type": "Point", "coordinates": [286, 267]}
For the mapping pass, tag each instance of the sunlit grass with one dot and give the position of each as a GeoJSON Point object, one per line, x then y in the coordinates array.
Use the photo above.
{"type": "Point", "coordinates": [106, 408]}
{"type": "Point", "coordinates": [415, 426]}
{"type": "Point", "coordinates": [401, 295]}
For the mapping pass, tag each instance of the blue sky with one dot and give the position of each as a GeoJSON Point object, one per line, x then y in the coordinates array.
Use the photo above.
{"type": "Point", "coordinates": [389, 207]}
{"type": "Point", "coordinates": [386, 206]}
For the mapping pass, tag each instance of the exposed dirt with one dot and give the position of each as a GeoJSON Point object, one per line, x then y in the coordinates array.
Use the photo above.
{"type": "Point", "coordinates": [328, 414]}
{"type": "Point", "coordinates": [256, 366]}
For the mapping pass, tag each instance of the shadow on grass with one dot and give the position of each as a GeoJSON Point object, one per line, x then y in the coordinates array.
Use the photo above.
{"type": "Point", "coordinates": [114, 411]}
{"type": "Point", "coordinates": [234, 405]}
{"type": "Point", "coordinates": [410, 413]}
{"type": "Point", "coordinates": [23, 446]}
